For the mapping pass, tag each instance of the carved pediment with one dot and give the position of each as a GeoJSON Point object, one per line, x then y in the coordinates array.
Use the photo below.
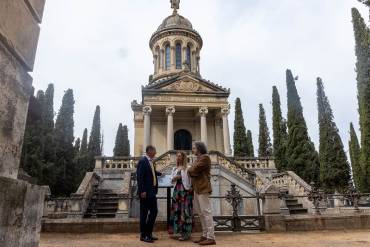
{"type": "Point", "coordinates": [187, 83]}
{"type": "Point", "coordinates": [187, 86]}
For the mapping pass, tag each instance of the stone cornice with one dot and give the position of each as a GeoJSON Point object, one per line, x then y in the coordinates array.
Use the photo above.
{"type": "Point", "coordinates": [175, 31]}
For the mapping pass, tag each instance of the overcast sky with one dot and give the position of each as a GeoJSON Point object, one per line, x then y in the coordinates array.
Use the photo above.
{"type": "Point", "coordinates": [100, 49]}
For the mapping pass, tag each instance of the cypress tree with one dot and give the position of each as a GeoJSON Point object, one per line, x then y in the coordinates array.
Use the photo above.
{"type": "Point", "coordinates": [94, 146]}
{"type": "Point", "coordinates": [81, 158]}
{"type": "Point", "coordinates": [265, 148]}
{"type": "Point", "coordinates": [83, 149]}
{"type": "Point", "coordinates": [240, 137]}
{"type": "Point", "coordinates": [118, 147]}
{"type": "Point", "coordinates": [302, 157]}
{"type": "Point", "coordinates": [354, 152]}
{"type": "Point", "coordinates": [334, 166]}
{"type": "Point", "coordinates": [362, 50]}
{"type": "Point", "coordinates": [77, 147]}
{"type": "Point", "coordinates": [122, 145]}
{"type": "Point", "coordinates": [48, 136]}
{"type": "Point", "coordinates": [65, 181]}
{"type": "Point", "coordinates": [31, 158]}
{"type": "Point", "coordinates": [250, 146]}
{"type": "Point", "coordinates": [279, 131]}
{"type": "Point", "coordinates": [126, 142]}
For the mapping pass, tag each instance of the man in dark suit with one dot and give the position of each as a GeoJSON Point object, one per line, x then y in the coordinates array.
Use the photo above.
{"type": "Point", "coordinates": [147, 182]}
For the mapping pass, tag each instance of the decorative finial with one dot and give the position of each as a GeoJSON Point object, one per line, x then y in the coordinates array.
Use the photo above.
{"type": "Point", "coordinates": [175, 5]}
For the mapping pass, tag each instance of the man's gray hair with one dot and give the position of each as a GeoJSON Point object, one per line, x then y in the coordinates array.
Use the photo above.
{"type": "Point", "coordinates": [201, 147]}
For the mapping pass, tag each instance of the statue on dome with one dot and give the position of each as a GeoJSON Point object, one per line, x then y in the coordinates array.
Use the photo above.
{"type": "Point", "coordinates": [175, 5]}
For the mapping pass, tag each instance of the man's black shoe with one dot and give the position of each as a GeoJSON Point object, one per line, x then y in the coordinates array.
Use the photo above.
{"type": "Point", "coordinates": [147, 239]}
{"type": "Point", "coordinates": [153, 237]}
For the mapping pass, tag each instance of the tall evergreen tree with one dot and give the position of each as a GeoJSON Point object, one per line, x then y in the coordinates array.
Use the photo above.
{"type": "Point", "coordinates": [265, 148]}
{"type": "Point", "coordinates": [334, 166]}
{"type": "Point", "coordinates": [77, 147]}
{"type": "Point", "coordinates": [83, 149]}
{"type": "Point", "coordinates": [31, 159]}
{"type": "Point", "coordinates": [65, 182]}
{"type": "Point", "coordinates": [240, 137]}
{"type": "Point", "coordinates": [302, 157]}
{"type": "Point", "coordinates": [126, 142]}
{"type": "Point", "coordinates": [119, 145]}
{"type": "Point", "coordinates": [48, 136]}
{"type": "Point", "coordinates": [82, 158]}
{"type": "Point", "coordinates": [48, 123]}
{"type": "Point", "coordinates": [250, 147]}
{"type": "Point", "coordinates": [279, 131]}
{"type": "Point", "coordinates": [122, 147]}
{"type": "Point", "coordinates": [362, 49]}
{"type": "Point", "coordinates": [94, 147]}
{"type": "Point", "coordinates": [354, 152]}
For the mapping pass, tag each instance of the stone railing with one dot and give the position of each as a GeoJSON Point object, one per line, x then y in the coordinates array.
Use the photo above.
{"type": "Point", "coordinates": [295, 185]}
{"type": "Point", "coordinates": [232, 166]}
{"type": "Point", "coordinates": [165, 160]}
{"type": "Point", "coordinates": [79, 201]}
{"type": "Point", "coordinates": [56, 208]}
{"type": "Point", "coordinates": [115, 163]}
{"type": "Point", "coordinates": [266, 164]}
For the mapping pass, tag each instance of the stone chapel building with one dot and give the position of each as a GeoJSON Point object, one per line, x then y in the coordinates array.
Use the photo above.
{"type": "Point", "coordinates": [178, 106]}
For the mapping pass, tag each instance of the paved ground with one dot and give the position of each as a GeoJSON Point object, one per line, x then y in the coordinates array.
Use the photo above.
{"type": "Point", "coordinates": [304, 239]}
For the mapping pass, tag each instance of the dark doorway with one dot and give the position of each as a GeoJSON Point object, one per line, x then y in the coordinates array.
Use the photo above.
{"type": "Point", "coordinates": [183, 140]}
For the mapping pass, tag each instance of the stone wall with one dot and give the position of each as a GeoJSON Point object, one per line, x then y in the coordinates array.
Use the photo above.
{"type": "Point", "coordinates": [21, 204]}
{"type": "Point", "coordinates": [19, 32]}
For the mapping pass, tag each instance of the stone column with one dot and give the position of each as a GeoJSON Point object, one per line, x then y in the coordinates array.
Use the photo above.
{"type": "Point", "coordinates": [170, 110]}
{"type": "Point", "coordinates": [203, 111]}
{"type": "Point", "coordinates": [184, 57]}
{"type": "Point", "coordinates": [147, 110]}
{"type": "Point", "coordinates": [156, 64]}
{"type": "Point", "coordinates": [161, 60]}
{"type": "Point", "coordinates": [225, 128]}
{"type": "Point", "coordinates": [173, 57]}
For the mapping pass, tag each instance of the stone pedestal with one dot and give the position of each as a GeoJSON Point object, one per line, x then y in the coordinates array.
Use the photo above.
{"type": "Point", "coordinates": [21, 210]}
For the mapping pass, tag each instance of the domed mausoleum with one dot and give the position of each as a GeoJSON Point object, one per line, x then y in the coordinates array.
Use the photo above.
{"type": "Point", "coordinates": [178, 106]}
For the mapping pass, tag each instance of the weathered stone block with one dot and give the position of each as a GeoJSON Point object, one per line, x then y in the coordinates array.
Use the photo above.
{"type": "Point", "coordinates": [37, 8]}
{"type": "Point", "coordinates": [21, 209]}
{"type": "Point", "coordinates": [19, 31]}
{"type": "Point", "coordinates": [15, 90]}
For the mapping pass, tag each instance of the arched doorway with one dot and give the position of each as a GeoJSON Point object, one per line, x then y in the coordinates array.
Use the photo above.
{"type": "Point", "coordinates": [183, 140]}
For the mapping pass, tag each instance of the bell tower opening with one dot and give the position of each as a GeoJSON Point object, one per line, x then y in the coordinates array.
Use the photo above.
{"type": "Point", "coordinates": [183, 140]}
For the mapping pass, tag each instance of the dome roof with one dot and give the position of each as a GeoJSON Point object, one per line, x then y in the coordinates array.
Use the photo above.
{"type": "Point", "coordinates": [175, 21]}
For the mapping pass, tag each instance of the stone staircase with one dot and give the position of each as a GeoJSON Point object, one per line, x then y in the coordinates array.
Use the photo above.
{"type": "Point", "coordinates": [294, 206]}
{"type": "Point", "coordinates": [103, 204]}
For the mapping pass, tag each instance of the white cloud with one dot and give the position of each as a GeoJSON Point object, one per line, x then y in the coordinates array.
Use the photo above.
{"type": "Point", "coordinates": [100, 50]}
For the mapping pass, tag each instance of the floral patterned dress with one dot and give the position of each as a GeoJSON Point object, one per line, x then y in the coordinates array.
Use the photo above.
{"type": "Point", "coordinates": [181, 219]}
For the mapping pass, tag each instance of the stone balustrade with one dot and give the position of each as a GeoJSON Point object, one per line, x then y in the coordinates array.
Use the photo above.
{"type": "Point", "coordinates": [267, 164]}
{"type": "Point", "coordinates": [232, 166]}
{"type": "Point", "coordinates": [295, 185]}
{"type": "Point", "coordinates": [79, 201]}
{"type": "Point", "coordinates": [115, 163]}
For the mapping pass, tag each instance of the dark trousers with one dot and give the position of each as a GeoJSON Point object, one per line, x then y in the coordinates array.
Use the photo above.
{"type": "Point", "coordinates": [148, 214]}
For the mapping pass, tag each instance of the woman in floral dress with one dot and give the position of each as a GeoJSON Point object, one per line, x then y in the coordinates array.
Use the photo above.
{"type": "Point", "coordinates": [181, 220]}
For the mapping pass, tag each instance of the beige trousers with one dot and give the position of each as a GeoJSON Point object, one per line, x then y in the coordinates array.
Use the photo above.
{"type": "Point", "coordinates": [202, 206]}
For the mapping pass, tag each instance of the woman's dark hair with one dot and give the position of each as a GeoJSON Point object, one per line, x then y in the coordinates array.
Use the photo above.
{"type": "Point", "coordinates": [201, 147]}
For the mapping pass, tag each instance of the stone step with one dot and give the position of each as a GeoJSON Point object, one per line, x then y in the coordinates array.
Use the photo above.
{"type": "Point", "coordinates": [102, 211]}
{"type": "Point", "coordinates": [298, 211]}
{"type": "Point", "coordinates": [299, 205]}
{"type": "Point", "coordinates": [101, 215]}
{"type": "Point", "coordinates": [111, 198]}
{"type": "Point", "coordinates": [106, 203]}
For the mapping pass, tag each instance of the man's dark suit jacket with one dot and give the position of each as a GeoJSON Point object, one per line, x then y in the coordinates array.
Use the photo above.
{"type": "Point", "coordinates": [145, 178]}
